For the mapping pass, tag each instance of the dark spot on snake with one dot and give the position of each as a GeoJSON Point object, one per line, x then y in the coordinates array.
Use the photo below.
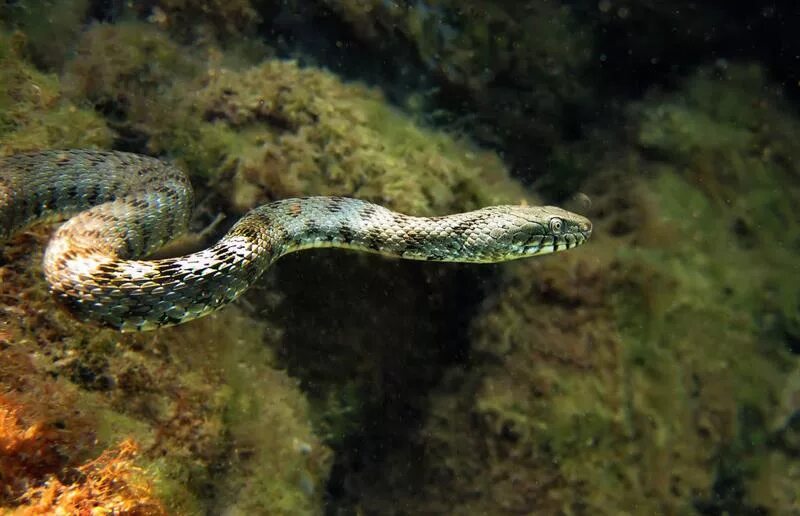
{"type": "Point", "coordinates": [72, 191]}
{"type": "Point", "coordinates": [411, 247]}
{"type": "Point", "coordinates": [373, 240]}
{"type": "Point", "coordinates": [464, 226]}
{"type": "Point", "coordinates": [367, 211]}
{"type": "Point", "coordinates": [346, 233]}
{"type": "Point", "coordinates": [335, 205]}
{"type": "Point", "coordinates": [167, 319]}
{"type": "Point", "coordinates": [295, 210]}
{"type": "Point", "coordinates": [63, 160]}
{"type": "Point", "coordinates": [92, 194]}
{"type": "Point", "coordinates": [143, 310]}
{"type": "Point", "coordinates": [170, 264]}
{"type": "Point", "coordinates": [169, 221]}
{"type": "Point", "coordinates": [221, 254]}
{"type": "Point", "coordinates": [312, 228]}
{"type": "Point", "coordinates": [130, 249]}
{"type": "Point", "coordinates": [115, 186]}
{"type": "Point", "coordinates": [400, 219]}
{"type": "Point", "coordinates": [248, 231]}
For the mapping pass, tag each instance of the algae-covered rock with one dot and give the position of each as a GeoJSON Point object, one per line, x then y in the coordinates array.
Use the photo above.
{"type": "Point", "coordinates": [303, 131]}
{"type": "Point", "coordinates": [477, 43]}
{"type": "Point", "coordinates": [217, 426]}
{"type": "Point", "coordinates": [124, 71]}
{"type": "Point", "coordinates": [650, 370]}
{"type": "Point", "coordinates": [51, 27]}
{"type": "Point", "coordinates": [206, 19]}
{"type": "Point", "coordinates": [521, 67]}
{"type": "Point", "coordinates": [277, 129]}
{"type": "Point", "coordinates": [34, 112]}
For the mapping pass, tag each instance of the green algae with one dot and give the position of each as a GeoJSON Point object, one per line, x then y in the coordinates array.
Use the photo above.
{"type": "Point", "coordinates": [755, 181]}
{"type": "Point", "coordinates": [522, 67]}
{"type": "Point", "coordinates": [276, 129]}
{"type": "Point", "coordinates": [222, 20]}
{"type": "Point", "coordinates": [301, 131]}
{"type": "Point", "coordinates": [123, 71]}
{"type": "Point", "coordinates": [280, 465]}
{"type": "Point", "coordinates": [51, 27]}
{"type": "Point", "coordinates": [643, 372]}
{"type": "Point", "coordinates": [34, 112]}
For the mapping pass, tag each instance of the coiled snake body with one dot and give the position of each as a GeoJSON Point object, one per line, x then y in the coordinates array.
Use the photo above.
{"type": "Point", "coordinates": [125, 206]}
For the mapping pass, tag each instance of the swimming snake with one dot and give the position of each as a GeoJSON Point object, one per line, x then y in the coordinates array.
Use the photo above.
{"type": "Point", "coordinates": [121, 207]}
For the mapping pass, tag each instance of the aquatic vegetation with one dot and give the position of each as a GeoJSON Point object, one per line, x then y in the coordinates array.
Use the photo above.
{"type": "Point", "coordinates": [110, 483]}
{"type": "Point", "coordinates": [473, 45]}
{"type": "Point", "coordinates": [28, 451]}
{"type": "Point", "coordinates": [201, 20]}
{"type": "Point", "coordinates": [645, 374]}
{"type": "Point", "coordinates": [34, 112]}
{"type": "Point", "coordinates": [51, 27]}
{"type": "Point", "coordinates": [277, 129]}
{"type": "Point", "coordinates": [293, 131]}
{"type": "Point", "coordinates": [185, 397]}
{"type": "Point", "coordinates": [123, 70]}
{"type": "Point", "coordinates": [521, 66]}
{"type": "Point", "coordinates": [749, 171]}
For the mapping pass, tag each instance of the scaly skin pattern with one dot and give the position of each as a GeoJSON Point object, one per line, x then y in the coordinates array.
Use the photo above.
{"type": "Point", "coordinates": [125, 206]}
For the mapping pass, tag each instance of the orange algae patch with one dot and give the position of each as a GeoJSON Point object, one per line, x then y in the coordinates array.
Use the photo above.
{"type": "Point", "coordinates": [27, 451]}
{"type": "Point", "coordinates": [109, 484]}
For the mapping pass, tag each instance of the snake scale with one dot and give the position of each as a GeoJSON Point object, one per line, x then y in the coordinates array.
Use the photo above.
{"type": "Point", "coordinates": [123, 206]}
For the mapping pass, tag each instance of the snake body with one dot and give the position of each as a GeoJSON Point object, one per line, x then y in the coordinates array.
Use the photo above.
{"type": "Point", "coordinates": [124, 206]}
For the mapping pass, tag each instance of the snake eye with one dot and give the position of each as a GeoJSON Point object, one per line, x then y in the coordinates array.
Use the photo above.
{"type": "Point", "coordinates": [556, 225]}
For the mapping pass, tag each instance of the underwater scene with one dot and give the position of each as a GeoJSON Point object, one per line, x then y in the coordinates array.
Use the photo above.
{"type": "Point", "coordinates": [567, 279]}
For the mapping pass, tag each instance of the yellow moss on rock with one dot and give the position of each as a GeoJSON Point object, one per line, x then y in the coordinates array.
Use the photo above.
{"type": "Point", "coordinates": [301, 131]}
{"type": "Point", "coordinates": [124, 68]}
{"type": "Point", "coordinates": [649, 371]}
{"type": "Point", "coordinates": [608, 380]}
{"type": "Point", "coordinates": [34, 113]}
{"type": "Point", "coordinates": [278, 129]}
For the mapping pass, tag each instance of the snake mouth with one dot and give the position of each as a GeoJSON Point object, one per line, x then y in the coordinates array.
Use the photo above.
{"type": "Point", "coordinates": [569, 241]}
{"type": "Point", "coordinates": [581, 232]}
{"type": "Point", "coordinates": [554, 243]}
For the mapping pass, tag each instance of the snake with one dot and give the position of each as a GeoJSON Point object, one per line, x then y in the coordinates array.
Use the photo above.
{"type": "Point", "coordinates": [120, 207]}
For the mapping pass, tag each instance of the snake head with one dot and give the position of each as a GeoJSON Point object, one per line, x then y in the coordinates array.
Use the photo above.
{"type": "Point", "coordinates": [545, 229]}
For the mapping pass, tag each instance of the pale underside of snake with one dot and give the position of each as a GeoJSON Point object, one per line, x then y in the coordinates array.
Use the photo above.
{"type": "Point", "coordinates": [123, 207]}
